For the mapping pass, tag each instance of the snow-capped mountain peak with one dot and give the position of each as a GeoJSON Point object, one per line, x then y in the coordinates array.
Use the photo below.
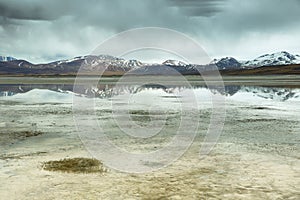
{"type": "Point", "coordinates": [226, 63]}
{"type": "Point", "coordinates": [133, 63]}
{"type": "Point", "coordinates": [279, 58]}
{"type": "Point", "coordinates": [100, 60]}
{"type": "Point", "coordinates": [7, 58]}
{"type": "Point", "coordinates": [174, 63]}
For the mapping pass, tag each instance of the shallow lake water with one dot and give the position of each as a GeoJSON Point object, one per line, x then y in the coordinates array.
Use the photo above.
{"type": "Point", "coordinates": [256, 156]}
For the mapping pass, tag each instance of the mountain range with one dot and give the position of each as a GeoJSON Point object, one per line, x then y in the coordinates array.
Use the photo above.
{"type": "Point", "coordinates": [276, 63]}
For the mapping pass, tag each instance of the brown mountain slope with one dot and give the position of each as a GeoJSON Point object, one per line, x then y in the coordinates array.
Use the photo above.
{"type": "Point", "coordinates": [268, 70]}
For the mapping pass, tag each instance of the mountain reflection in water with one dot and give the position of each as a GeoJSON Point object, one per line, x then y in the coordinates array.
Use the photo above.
{"type": "Point", "coordinates": [110, 90]}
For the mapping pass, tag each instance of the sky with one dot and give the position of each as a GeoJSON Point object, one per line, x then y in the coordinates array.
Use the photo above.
{"type": "Point", "coordinates": [48, 30]}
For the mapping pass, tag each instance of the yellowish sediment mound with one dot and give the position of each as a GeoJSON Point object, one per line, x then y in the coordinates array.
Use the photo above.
{"type": "Point", "coordinates": [75, 165]}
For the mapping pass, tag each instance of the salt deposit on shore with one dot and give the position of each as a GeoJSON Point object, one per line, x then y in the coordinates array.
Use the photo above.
{"type": "Point", "coordinates": [257, 156]}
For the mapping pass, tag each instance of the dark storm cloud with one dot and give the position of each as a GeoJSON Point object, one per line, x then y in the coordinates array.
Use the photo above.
{"type": "Point", "coordinates": [53, 9]}
{"type": "Point", "coordinates": [113, 14]}
{"type": "Point", "coordinates": [42, 29]}
{"type": "Point", "coordinates": [199, 7]}
{"type": "Point", "coordinates": [30, 9]}
{"type": "Point", "coordinates": [261, 15]}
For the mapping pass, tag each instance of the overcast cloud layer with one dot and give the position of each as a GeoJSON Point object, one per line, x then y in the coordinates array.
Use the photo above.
{"type": "Point", "coordinates": [45, 30]}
